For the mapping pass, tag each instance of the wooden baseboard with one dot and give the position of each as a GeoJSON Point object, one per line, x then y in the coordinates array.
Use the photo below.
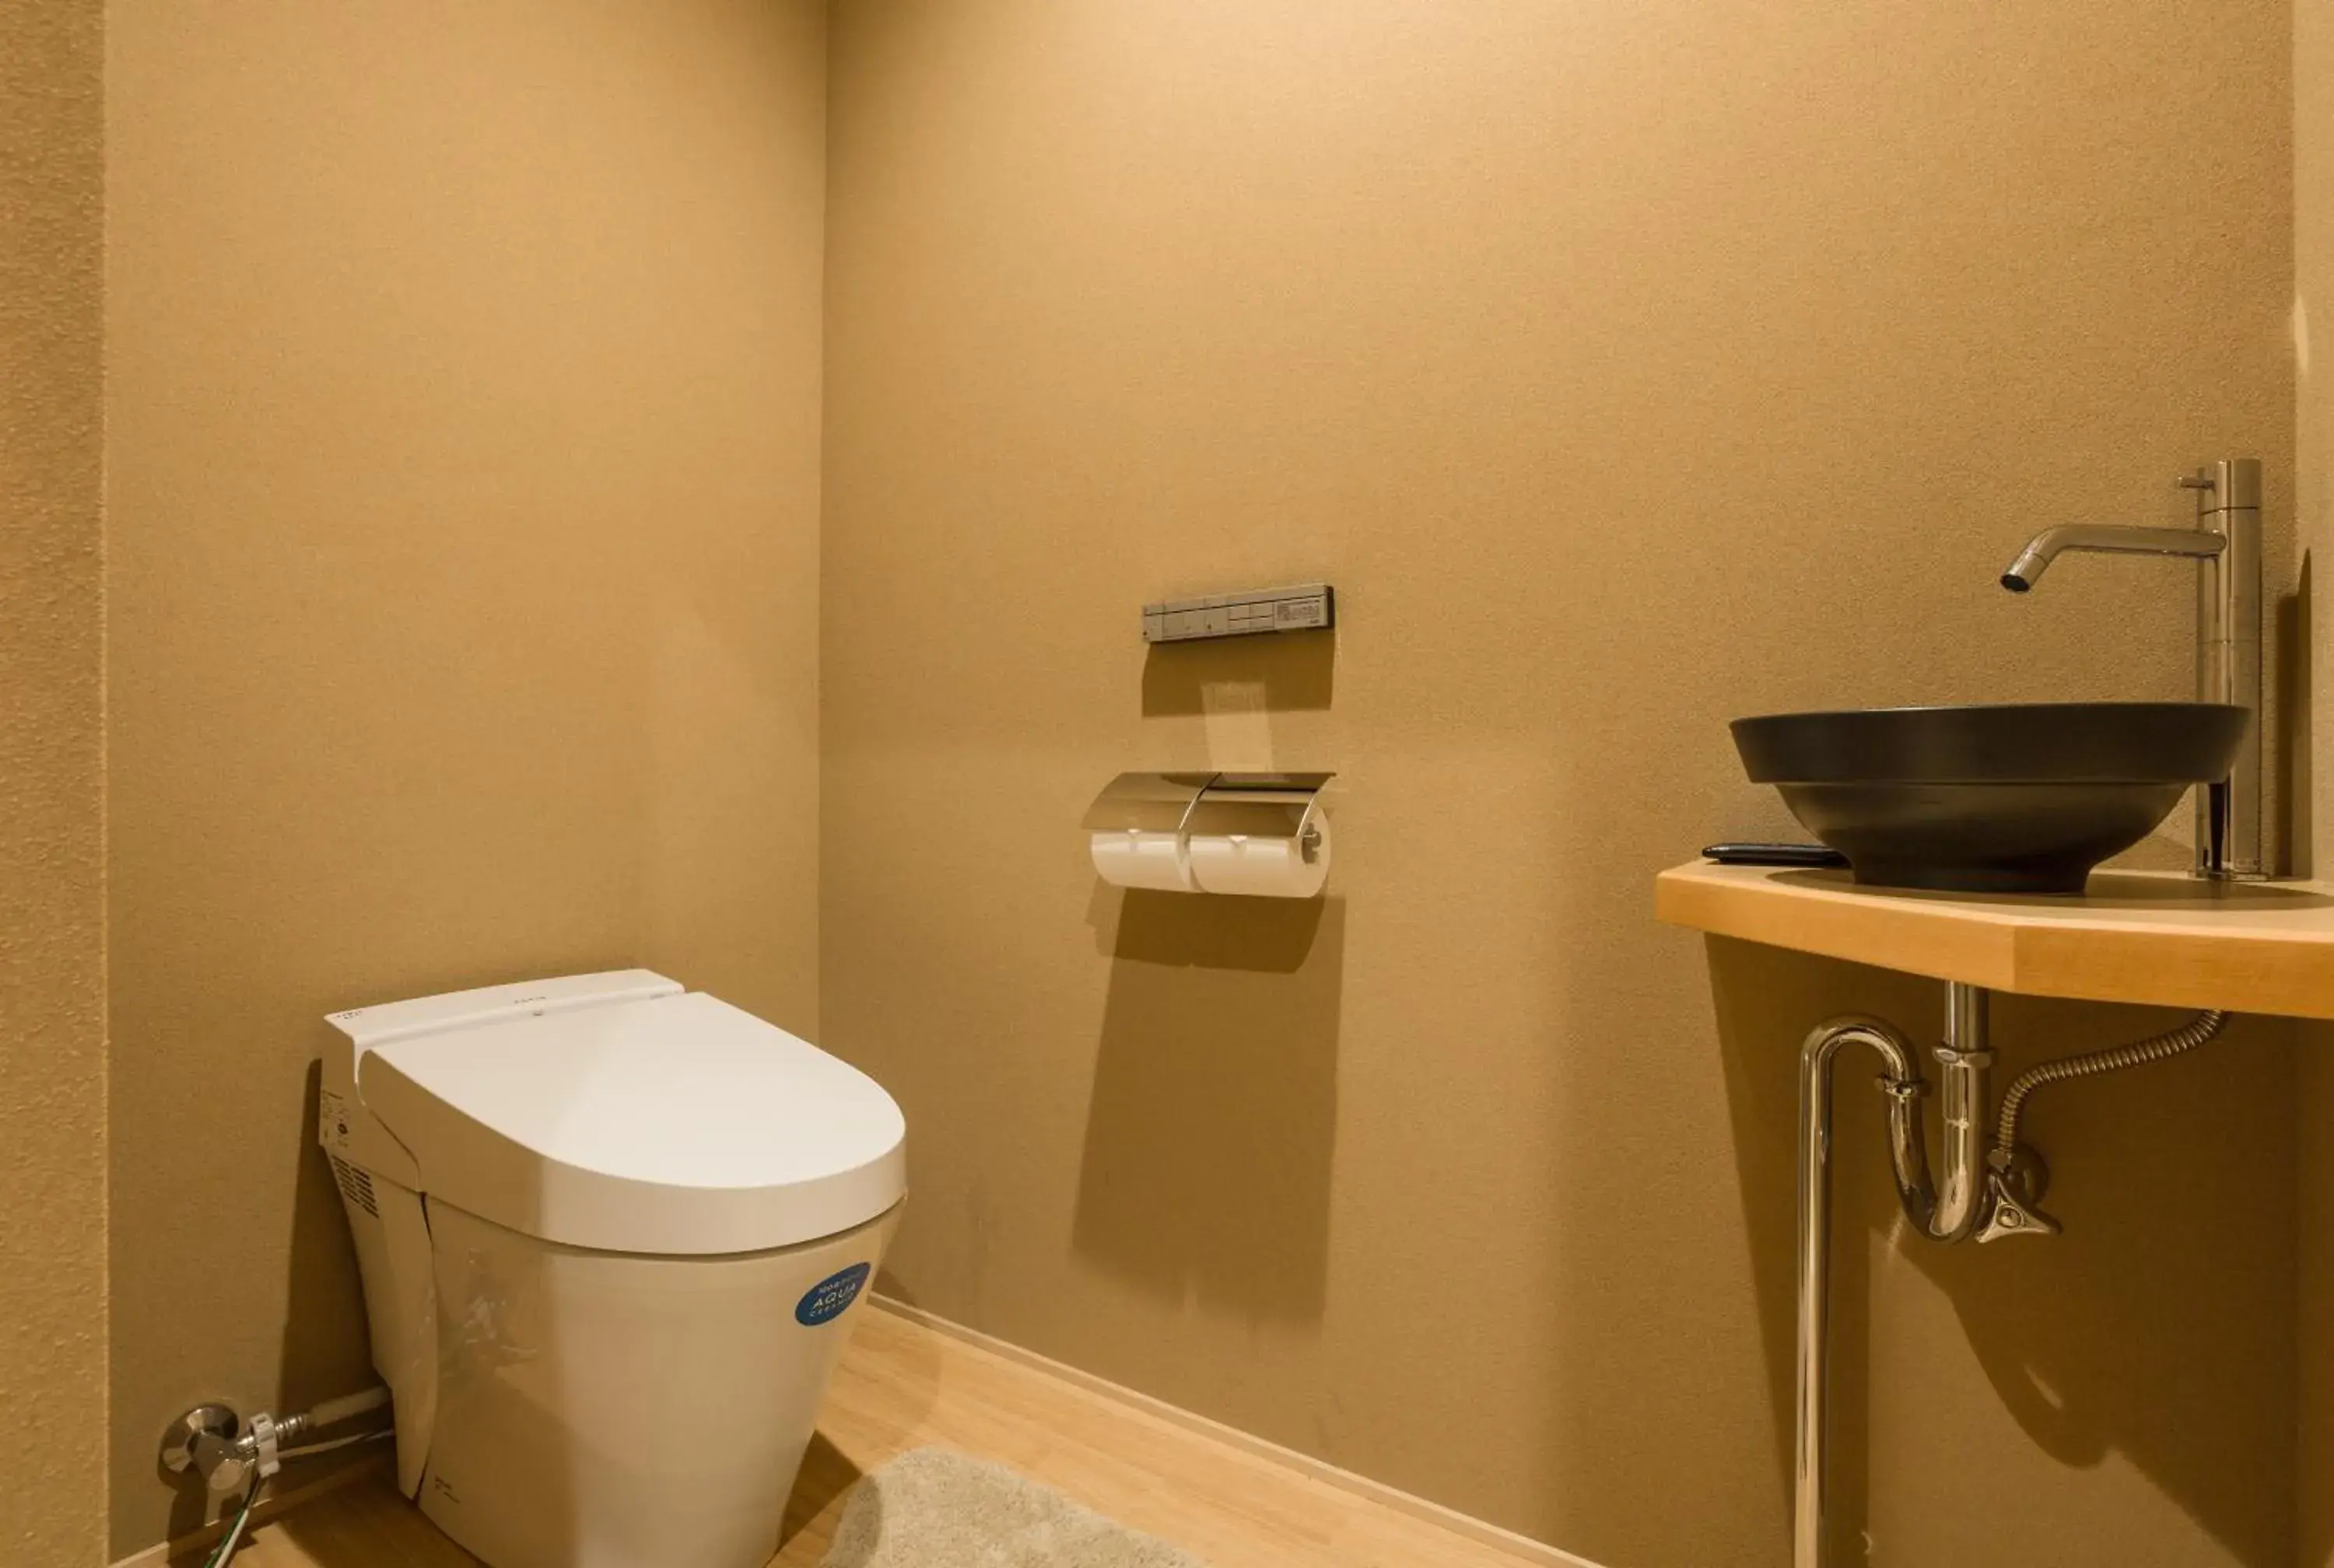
{"type": "Point", "coordinates": [271, 1505]}
{"type": "Point", "coordinates": [1522, 1547]}
{"type": "Point", "coordinates": [1313, 1470]}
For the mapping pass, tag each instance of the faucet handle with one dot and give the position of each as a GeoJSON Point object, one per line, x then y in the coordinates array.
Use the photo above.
{"type": "Point", "coordinates": [2015, 1183]}
{"type": "Point", "coordinates": [2235, 484]}
{"type": "Point", "coordinates": [2009, 1213]}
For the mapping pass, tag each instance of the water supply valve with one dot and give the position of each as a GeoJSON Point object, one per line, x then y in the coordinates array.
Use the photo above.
{"type": "Point", "coordinates": [2016, 1179]}
{"type": "Point", "coordinates": [206, 1441]}
{"type": "Point", "coordinates": [232, 1455]}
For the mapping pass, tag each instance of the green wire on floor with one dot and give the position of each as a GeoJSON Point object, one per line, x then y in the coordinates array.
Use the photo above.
{"type": "Point", "coordinates": [234, 1532]}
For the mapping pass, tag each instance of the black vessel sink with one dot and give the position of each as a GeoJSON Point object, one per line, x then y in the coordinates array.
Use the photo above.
{"type": "Point", "coordinates": [2016, 797]}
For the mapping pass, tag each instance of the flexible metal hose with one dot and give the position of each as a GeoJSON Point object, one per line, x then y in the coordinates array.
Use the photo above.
{"type": "Point", "coordinates": [2138, 1054]}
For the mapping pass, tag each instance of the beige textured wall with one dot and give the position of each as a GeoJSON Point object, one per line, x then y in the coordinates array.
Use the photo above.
{"type": "Point", "coordinates": [52, 1300]}
{"type": "Point", "coordinates": [464, 442]}
{"type": "Point", "coordinates": [2313, 323]}
{"type": "Point", "coordinates": [1628, 366]}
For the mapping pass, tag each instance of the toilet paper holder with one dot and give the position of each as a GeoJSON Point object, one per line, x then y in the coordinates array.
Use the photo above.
{"type": "Point", "coordinates": [1269, 823]}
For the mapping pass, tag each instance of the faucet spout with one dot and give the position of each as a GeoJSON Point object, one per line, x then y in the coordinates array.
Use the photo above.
{"type": "Point", "coordinates": [2106, 540]}
{"type": "Point", "coordinates": [2226, 544]}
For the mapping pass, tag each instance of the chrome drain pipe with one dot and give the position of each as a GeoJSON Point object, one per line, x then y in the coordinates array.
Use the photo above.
{"type": "Point", "coordinates": [1948, 1209]}
{"type": "Point", "coordinates": [1986, 1193]}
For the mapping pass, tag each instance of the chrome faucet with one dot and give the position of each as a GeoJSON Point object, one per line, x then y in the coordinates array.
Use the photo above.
{"type": "Point", "coordinates": [2226, 543]}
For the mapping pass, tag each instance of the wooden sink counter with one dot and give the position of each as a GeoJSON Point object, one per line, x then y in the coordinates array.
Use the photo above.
{"type": "Point", "coordinates": [2141, 936]}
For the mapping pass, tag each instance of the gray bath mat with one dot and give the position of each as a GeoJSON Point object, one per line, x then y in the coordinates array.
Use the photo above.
{"type": "Point", "coordinates": [931, 1508]}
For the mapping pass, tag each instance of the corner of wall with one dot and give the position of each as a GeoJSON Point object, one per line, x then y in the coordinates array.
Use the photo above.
{"type": "Point", "coordinates": [52, 1070]}
{"type": "Point", "coordinates": [2313, 330]}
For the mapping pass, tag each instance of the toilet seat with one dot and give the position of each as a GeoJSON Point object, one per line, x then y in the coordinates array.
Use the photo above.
{"type": "Point", "coordinates": [621, 1113]}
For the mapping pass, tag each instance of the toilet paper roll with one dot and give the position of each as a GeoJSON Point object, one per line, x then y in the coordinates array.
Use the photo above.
{"type": "Point", "coordinates": [1268, 867]}
{"type": "Point", "coordinates": [1128, 858]}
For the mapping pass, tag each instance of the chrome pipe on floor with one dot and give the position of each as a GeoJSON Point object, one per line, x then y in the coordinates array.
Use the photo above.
{"type": "Point", "coordinates": [1948, 1210]}
{"type": "Point", "coordinates": [1986, 1194]}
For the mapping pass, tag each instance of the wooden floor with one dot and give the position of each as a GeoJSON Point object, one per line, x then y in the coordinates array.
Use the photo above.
{"type": "Point", "coordinates": [903, 1386]}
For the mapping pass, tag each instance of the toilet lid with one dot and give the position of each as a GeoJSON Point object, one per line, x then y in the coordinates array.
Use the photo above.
{"type": "Point", "coordinates": [668, 1123]}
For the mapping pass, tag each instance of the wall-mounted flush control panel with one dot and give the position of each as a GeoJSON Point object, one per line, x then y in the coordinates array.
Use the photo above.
{"type": "Point", "coordinates": [1306, 607]}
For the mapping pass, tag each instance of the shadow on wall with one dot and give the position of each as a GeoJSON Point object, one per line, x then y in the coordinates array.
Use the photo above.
{"type": "Point", "coordinates": [1264, 674]}
{"type": "Point", "coordinates": [2172, 1180]}
{"type": "Point", "coordinates": [2291, 640]}
{"type": "Point", "coordinates": [2314, 1228]}
{"type": "Point", "coordinates": [323, 1298]}
{"type": "Point", "coordinates": [1209, 1140]}
{"type": "Point", "coordinates": [322, 1354]}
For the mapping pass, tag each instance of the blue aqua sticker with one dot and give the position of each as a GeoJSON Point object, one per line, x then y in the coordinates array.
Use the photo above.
{"type": "Point", "coordinates": [830, 1297]}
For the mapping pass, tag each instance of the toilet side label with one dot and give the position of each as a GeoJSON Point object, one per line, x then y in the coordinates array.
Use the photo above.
{"type": "Point", "coordinates": [830, 1297]}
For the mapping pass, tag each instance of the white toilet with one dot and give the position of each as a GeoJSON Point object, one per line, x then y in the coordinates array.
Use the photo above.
{"type": "Point", "coordinates": [611, 1233]}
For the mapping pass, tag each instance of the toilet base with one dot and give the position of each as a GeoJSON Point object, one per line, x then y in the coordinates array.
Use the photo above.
{"type": "Point", "coordinates": [613, 1411]}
